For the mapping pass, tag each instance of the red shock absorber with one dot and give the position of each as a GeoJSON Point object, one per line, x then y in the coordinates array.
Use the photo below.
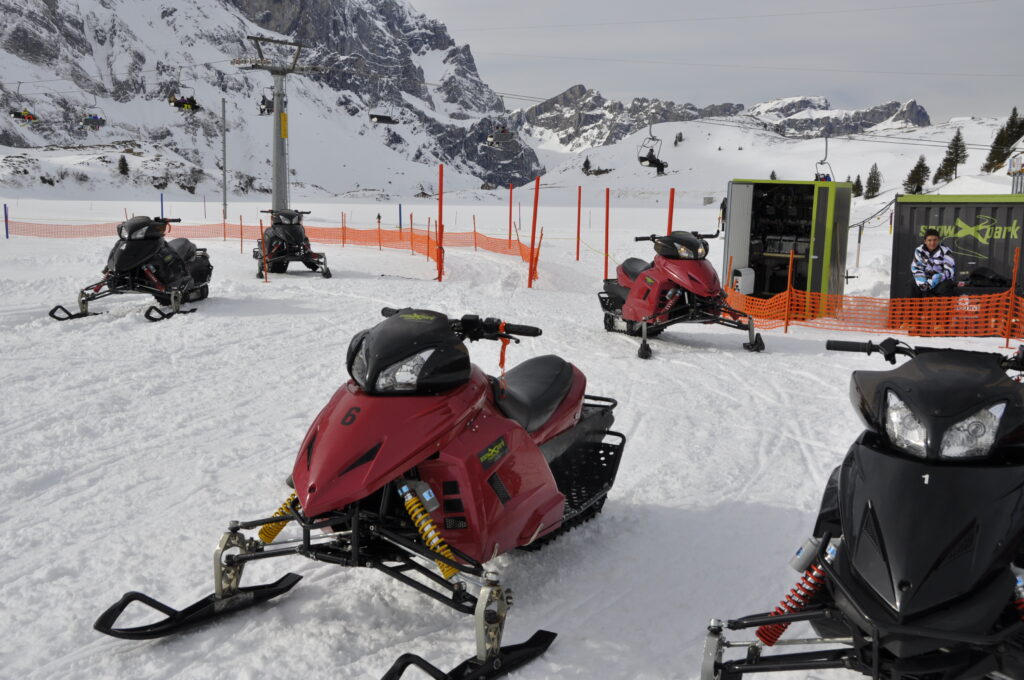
{"type": "Point", "coordinates": [796, 600]}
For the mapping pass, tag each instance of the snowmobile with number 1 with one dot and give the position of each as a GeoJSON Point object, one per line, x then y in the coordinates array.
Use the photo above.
{"type": "Point", "coordinates": [913, 570]}
{"type": "Point", "coordinates": [143, 262]}
{"type": "Point", "coordinates": [679, 286]}
{"type": "Point", "coordinates": [424, 468]}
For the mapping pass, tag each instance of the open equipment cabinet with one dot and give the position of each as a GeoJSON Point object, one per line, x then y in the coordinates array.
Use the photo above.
{"type": "Point", "coordinates": [766, 219]}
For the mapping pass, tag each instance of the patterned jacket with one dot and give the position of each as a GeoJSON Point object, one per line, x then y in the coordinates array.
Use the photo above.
{"type": "Point", "coordinates": [932, 267]}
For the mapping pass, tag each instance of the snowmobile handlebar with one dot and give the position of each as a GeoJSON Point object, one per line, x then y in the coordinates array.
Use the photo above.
{"type": "Point", "coordinates": [475, 328]}
{"type": "Point", "coordinates": [654, 237]}
{"type": "Point", "coordinates": [167, 219]}
{"type": "Point", "coordinates": [890, 347]}
{"type": "Point", "coordinates": [300, 212]}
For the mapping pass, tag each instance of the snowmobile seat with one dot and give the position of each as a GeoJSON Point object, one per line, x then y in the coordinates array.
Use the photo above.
{"type": "Point", "coordinates": [186, 249]}
{"type": "Point", "coordinates": [534, 389]}
{"type": "Point", "coordinates": [634, 266]}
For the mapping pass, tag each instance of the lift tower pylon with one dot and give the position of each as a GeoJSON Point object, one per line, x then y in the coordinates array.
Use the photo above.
{"type": "Point", "coordinates": [278, 68]}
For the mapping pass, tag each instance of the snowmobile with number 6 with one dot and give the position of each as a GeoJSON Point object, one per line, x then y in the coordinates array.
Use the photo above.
{"type": "Point", "coordinates": [913, 570]}
{"type": "Point", "coordinates": [679, 286]}
{"type": "Point", "coordinates": [141, 261]}
{"type": "Point", "coordinates": [424, 468]}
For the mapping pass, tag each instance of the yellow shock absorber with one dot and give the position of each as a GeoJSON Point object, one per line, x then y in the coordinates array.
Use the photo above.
{"type": "Point", "coordinates": [270, 531]}
{"type": "Point", "coordinates": [431, 536]}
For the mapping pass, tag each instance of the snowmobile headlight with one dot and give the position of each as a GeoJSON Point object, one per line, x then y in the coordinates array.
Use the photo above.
{"type": "Point", "coordinates": [905, 429]}
{"type": "Point", "coordinates": [973, 436]}
{"type": "Point", "coordinates": [685, 253]}
{"type": "Point", "coordinates": [403, 375]}
{"type": "Point", "coordinates": [361, 364]}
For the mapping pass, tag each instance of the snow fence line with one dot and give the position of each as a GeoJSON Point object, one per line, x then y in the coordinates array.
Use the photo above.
{"type": "Point", "coordinates": [978, 316]}
{"type": "Point", "coordinates": [426, 242]}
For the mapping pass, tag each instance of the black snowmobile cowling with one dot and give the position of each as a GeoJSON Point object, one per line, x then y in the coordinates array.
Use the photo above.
{"type": "Point", "coordinates": [287, 225]}
{"type": "Point", "coordinates": [139, 228]}
{"type": "Point", "coordinates": [681, 245]}
{"type": "Point", "coordinates": [916, 562]}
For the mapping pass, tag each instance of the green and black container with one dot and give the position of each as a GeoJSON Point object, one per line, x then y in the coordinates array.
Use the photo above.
{"type": "Point", "coordinates": [983, 231]}
{"type": "Point", "coordinates": [766, 219]}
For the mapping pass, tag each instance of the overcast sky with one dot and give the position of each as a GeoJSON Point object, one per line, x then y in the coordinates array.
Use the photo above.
{"type": "Point", "coordinates": [955, 57]}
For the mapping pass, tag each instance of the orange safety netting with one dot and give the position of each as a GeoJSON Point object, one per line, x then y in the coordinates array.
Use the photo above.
{"type": "Point", "coordinates": [415, 240]}
{"type": "Point", "coordinates": [998, 314]}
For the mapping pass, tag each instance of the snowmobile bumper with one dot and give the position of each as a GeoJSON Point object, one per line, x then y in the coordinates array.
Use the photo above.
{"type": "Point", "coordinates": [177, 620]}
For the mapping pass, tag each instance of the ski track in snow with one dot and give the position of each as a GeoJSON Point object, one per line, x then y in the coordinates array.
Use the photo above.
{"type": "Point", "coordinates": [130, 445]}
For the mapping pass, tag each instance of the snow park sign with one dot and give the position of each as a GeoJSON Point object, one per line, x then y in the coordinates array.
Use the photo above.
{"type": "Point", "coordinates": [983, 231]}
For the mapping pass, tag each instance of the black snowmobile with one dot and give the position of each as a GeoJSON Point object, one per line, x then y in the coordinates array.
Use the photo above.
{"type": "Point", "coordinates": [173, 272]}
{"type": "Point", "coordinates": [285, 241]}
{"type": "Point", "coordinates": [912, 571]}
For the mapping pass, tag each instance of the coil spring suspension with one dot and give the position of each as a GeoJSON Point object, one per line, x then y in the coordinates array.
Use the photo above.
{"type": "Point", "coordinates": [797, 599]}
{"type": "Point", "coordinates": [428, 531]}
{"type": "Point", "coordinates": [268, 532]}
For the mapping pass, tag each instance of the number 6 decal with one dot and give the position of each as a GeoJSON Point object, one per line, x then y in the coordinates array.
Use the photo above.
{"type": "Point", "coordinates": [350, 417]}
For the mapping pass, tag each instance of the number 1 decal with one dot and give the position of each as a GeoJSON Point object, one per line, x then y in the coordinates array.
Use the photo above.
{"type": "Point", "coordinates": [925, 478]}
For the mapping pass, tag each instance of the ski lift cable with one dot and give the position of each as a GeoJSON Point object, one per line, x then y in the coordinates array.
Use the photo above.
{"type": "Point", "coordinates": [127, 73]}
{"type": "Point", "coordinates": [771, 15]}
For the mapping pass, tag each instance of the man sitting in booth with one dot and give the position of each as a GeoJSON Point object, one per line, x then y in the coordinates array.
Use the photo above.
{"type": "Point", "coordinates": [933, 268]}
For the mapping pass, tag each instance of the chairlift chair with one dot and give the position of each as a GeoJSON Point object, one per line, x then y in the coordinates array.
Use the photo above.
{"type": "Point", "coordinates": [266, 105]}
{"type": "Point", "coordinates": [94, 117]}
{"type": "Point", "coordinates": [383, 116]}
{"type": "Point", "coordinates": [20, 111]}
{"type": "Point", "coordinates": [649, 152]}
{"type": "Point", "coordinates": [822, 169]}
{"type": "Point", "coordinates": [500, 135]}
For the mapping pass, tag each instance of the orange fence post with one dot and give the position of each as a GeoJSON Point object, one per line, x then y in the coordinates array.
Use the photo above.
{"type": "Point", "coordinates": [789, 290]}
{"type": "Point", "coordinates": [263, 248]}
{"type": "Point", "coordinates": [579, 212]}
{"type": "Point", "coordinates": [728, 275]}
{"type": "Point", "coordinates": [412, 246]}
{"type": "Point", "coordinates": [474, 232]}
{"type": "Point", "coordinates": [224, 223]}
{"type": "Point", "coordinates": [440, 222]}
{"type": "Point", "coordinates": [380, 246]}
{"type": "Point", "coordinates": [607, 203]}
{"type": "Point", "coordinates": [510, 214]}
{"type": "Point", "coordinates": [533, 230]}
{"type": "Point", "coordinates": [671, 206]}
{"type": "Point", "coordinates": [1011, 298]}
{"type": "Point", "coordinates": [239, 234]}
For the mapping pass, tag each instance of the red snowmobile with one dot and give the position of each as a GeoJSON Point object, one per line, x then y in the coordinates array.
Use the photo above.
{"type": "Point", "coordinates": [424, 468]}
{"type": "Point", "coordinates": [679, 286]}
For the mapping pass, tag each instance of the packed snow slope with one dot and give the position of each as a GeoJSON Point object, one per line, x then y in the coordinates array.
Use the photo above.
{"type": "Point", "coordinates": [130, 445]}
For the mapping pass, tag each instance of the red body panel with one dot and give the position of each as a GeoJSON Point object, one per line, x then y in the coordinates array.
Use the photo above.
{"type": "Point", "coordinates": [647, 292]}
{"type": "Point", "coordinates": [473, 441]}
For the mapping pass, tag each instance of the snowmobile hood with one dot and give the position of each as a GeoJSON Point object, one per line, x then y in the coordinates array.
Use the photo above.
{"type": "Point", "coordinates": [127, 255]}
{"type": "Point", "coordinates": [922, 535]}
{"type": "Point", "coordinates": [697, 276]}
{"type": "Point", "coordinates": [291, 234]}
{"type": "Point", "coordinates": [942, 388]}
{"type": "Point", "coordinates": [359, 442]}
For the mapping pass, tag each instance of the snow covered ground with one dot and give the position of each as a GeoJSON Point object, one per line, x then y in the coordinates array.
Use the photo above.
{"type": "Point", "coordinates": [128, 446]}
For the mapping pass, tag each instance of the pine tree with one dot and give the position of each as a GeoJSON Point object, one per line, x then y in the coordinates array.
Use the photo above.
{"type": "Point", "coordinates": [586, 165]}
{"type": "Point", "coordinates": [1007, 135]}
{"type": "Point", "coordinates": [858, 188]}
{"type": "Point", "coordinates": [122, 166]}
{"type": "Point", "coordinates": [917, 176]}
{"type": "Point", "coordinates": [874, 183]}
{"type": "Point", "coordinates": [944, 172]}
{"type": "Point", "coordinates": [956, 153]}
{"type": "Point", "coordinates": [773, 175]}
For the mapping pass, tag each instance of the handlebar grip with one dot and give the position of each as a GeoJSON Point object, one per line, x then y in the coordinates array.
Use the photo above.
{"type": "Point", "coordinates": [643, 238]}
{"type": "Point", "coordinates": [169, 219]}
{"type": "Point", "coordinates": [517, 329]}
{"type": "Point", "coordinates": [388, 311]}
{"type": "Point", "coordinates": [846, 346]}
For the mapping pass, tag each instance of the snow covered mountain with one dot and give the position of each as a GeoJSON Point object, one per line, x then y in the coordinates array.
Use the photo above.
{"type": "Point", "coordinates": [814, 116]}
{"type": "Point", "coordinates": [123, 60]}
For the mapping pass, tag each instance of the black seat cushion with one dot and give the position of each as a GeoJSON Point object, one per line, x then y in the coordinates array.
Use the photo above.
{"type": "Point", "coordinates": [633, 266]}
{"type": "Point", "coordinates": [186, 249]}
{"type": "Point", "coordinates": [534, 389]}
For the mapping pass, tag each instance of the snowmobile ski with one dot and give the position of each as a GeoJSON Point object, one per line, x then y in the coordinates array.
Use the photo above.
{"type": "Point", "coordinates": [205, 609]}
{"type": "Point", "coordinates": [62, 313]}
{"type": "Point", "coordinates": [154, 313]}
{"type": "Point", "coordinates": [509, 659]}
